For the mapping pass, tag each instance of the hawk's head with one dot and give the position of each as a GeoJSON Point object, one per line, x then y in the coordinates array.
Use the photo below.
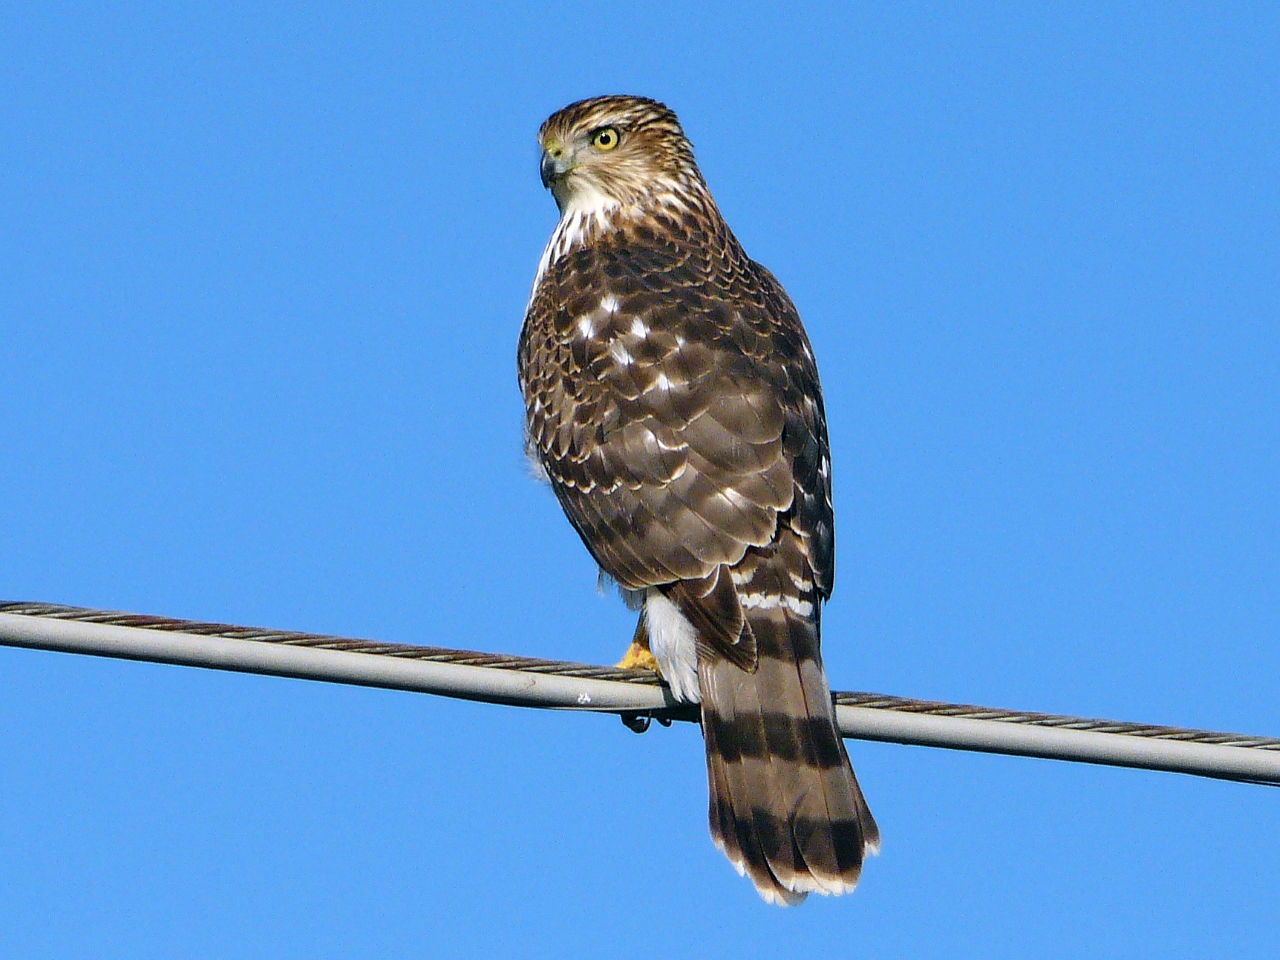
{"type": "Point", "coordinates": [607, 152]}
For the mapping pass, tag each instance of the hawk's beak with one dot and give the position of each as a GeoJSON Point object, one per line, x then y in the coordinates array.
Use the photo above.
{"type": "Point", "coordinates": [551, 169]}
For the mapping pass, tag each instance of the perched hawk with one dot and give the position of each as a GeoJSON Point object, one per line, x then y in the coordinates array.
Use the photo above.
{"type": "Point", "coordinates": [672, 399]}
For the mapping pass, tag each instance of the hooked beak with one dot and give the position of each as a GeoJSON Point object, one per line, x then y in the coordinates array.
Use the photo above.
{"type": "Point", "coordinates": [551, 169]}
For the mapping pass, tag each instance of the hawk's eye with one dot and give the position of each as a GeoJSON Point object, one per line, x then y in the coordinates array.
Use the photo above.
{"type": "Point", "coordinates": [606, 138]}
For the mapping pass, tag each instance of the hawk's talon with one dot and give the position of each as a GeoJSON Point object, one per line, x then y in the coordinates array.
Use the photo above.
{"type": "Point", "coordinates": [639, 722]}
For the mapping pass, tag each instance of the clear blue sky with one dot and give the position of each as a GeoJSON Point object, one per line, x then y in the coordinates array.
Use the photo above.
{"type": "Point", "coordinates": [263, 272]}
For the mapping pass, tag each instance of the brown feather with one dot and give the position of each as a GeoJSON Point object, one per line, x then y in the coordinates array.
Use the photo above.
{"type": "Point", "coordinates": [672, 398]}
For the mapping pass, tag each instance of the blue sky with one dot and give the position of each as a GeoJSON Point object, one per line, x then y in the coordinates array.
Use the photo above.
{"type": "Point", "coordinates": [264, 271]}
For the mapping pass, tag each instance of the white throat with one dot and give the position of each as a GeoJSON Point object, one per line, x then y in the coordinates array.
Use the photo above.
{"type": "Point", "coordinates": [587, 211]}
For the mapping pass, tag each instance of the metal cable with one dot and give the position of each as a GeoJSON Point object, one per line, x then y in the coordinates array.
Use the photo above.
{"type": "Point", "coordinates": [637, 694]}
{"type": "Point", "coordinates": [935, 708]}
{"type": "Point", "coordinates": [323, 641]}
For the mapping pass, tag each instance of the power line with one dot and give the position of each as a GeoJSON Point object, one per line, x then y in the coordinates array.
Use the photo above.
{"type": "Point", "coordinates": [636, 695]}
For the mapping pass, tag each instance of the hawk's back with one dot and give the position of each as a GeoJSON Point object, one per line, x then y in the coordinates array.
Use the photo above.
{"type": "Point", "coordinates": [672, 399]}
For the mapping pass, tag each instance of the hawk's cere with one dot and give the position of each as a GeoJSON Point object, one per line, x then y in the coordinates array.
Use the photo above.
{"type": "Point", "coordinates": [672, 399]}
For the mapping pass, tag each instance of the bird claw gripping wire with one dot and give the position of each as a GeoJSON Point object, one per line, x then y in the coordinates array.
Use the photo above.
{"type": "Point", "coordinates": [639, 721]}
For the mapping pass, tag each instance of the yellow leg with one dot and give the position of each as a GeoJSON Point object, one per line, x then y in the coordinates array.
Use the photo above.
{"type": "Point", "coordinates": [638, 655]}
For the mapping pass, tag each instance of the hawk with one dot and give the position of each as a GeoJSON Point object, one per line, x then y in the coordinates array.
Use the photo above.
{"type": "Point", "coordinates": [672, 401]}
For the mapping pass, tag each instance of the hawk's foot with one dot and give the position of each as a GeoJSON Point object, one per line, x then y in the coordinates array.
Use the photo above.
{"type": "Point", "coordinates": [638, 657]}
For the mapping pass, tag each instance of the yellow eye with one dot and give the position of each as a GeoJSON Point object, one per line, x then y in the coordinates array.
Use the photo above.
{"type": "Point", "coordinates": [606, 138]}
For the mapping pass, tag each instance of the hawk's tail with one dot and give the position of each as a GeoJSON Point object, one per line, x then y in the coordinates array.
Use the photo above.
{"type": "Point", "coordinates": [785, 806]}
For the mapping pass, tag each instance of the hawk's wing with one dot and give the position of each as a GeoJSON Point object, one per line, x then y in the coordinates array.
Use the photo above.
{"type": "Point", "coordinates": [675, 405]}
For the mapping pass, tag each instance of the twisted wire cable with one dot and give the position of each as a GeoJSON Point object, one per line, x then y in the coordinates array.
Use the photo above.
{"type": "Point", "coordinates": [637, 695]}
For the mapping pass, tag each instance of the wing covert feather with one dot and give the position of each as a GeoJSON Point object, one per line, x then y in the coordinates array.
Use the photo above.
{"type": "Point", "coordinates": [671, 400]}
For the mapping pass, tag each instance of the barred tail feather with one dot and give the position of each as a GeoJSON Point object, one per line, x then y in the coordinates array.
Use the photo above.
{"type": "Point", "coordinates": [785, 806]}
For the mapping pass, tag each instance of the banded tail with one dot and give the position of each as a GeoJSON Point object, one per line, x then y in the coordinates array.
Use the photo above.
{"type": "Point", "coordinates": [785, 807]}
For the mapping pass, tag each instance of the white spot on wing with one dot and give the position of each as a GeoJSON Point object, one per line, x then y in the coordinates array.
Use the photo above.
{"type": "Point", "coordinates": [586, 325]}
{"type": "Point", "coordinates": [620, 354]}
{"type": "Point", "coordinates": [771, 601]}
{"type": "Point", "coordinates": [639, 328]}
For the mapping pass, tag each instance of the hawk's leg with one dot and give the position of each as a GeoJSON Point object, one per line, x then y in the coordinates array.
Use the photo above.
{"type": "Point", "coordinates": [638, 655]}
